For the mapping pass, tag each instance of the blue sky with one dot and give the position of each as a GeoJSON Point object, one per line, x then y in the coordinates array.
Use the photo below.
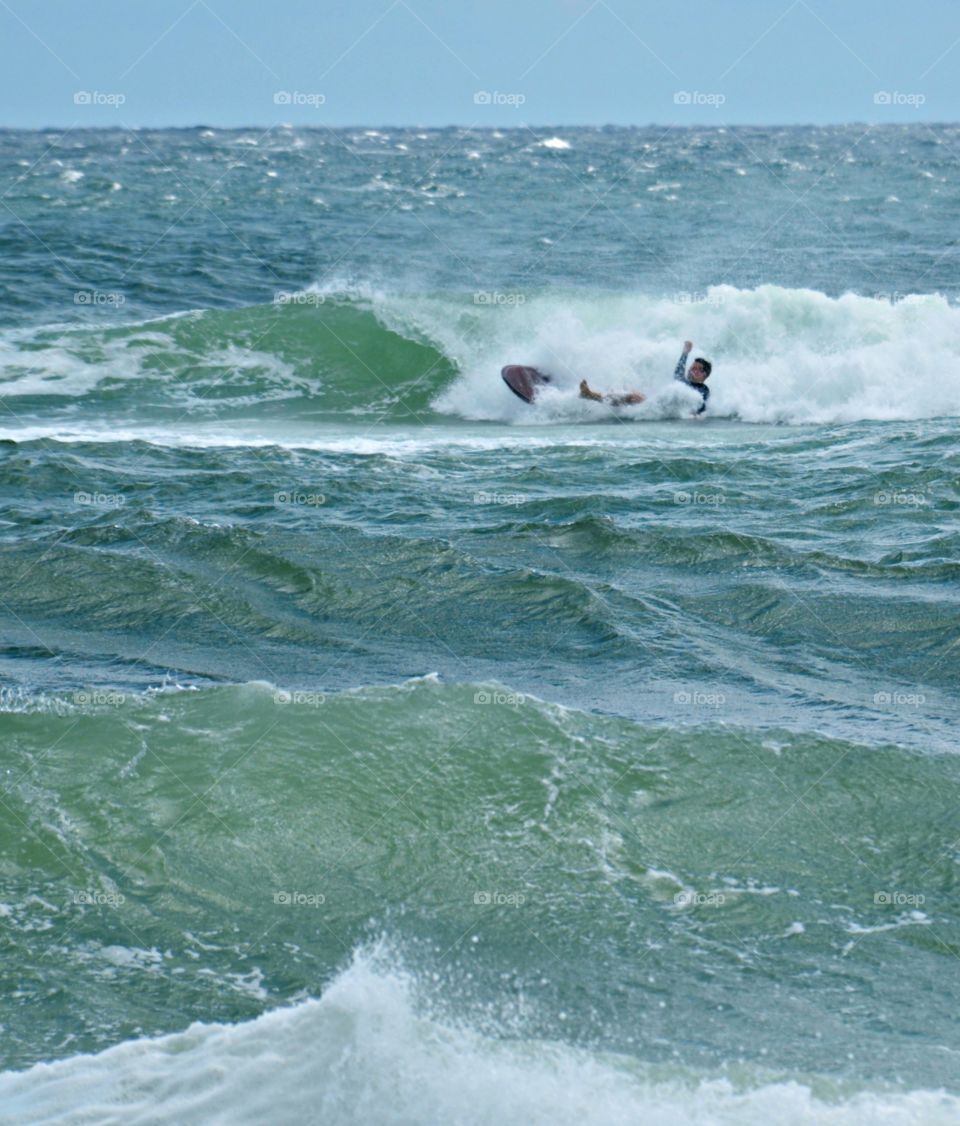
{"type": "Point", "coordinates": [487, 62]}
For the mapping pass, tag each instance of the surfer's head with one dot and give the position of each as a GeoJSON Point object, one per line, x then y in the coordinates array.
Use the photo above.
{"type": "Point", "coordinates": [699, 370]}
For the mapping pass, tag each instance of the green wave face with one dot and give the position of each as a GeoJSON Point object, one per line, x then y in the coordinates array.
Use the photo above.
{"type": "Point", "coordinates": [317, 358]}
{"type": "Point", "coordinates": [225, 849]}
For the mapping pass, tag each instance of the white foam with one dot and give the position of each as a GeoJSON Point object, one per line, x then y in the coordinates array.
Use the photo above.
{"type": "Point", "coordinates": [361, 1053]}
{"type": "Point", "coordinates": [388, 444]}
{"type": "Point", "coordinates": [71, 361]}
{"type": "Point", "coordinates": [780, 355]}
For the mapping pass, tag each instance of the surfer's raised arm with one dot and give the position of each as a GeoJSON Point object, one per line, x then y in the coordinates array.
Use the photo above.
{"type": "Point", "coordinates": [680, 371]}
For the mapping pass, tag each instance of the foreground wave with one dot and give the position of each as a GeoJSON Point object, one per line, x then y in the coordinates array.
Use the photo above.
{"type": "Point", "coordinates": [364, 1052]}
{"type": "Point", "coordinates": [216, 853]}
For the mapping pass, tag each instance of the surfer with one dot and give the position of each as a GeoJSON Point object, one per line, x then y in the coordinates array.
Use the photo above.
{"type": "Point", "coordinates": [696, 379]}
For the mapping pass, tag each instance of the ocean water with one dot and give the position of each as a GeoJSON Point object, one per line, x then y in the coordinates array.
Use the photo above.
{"type": "Point", "coordinates": [379, 748]}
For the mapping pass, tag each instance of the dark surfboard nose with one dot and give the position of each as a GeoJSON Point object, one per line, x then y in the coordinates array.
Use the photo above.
{"type": "Point", "coordinates": [523, 381]}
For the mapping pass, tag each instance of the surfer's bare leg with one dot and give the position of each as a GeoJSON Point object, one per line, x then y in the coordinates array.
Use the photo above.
{"type": "Point", "coordinates": [631, 397]}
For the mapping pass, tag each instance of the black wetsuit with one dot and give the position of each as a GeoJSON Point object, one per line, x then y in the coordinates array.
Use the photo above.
{"type": "Point", "coordinates": [680, 372]}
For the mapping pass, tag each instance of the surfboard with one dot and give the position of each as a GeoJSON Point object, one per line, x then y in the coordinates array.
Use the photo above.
{"type": "Point", "coordinates": [523, 381]}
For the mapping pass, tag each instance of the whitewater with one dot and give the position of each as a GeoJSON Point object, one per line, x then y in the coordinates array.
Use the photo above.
{"type": "Point", "coordinates": [362, 1052]}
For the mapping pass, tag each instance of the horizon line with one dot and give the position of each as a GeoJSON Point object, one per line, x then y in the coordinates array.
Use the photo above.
{"type": "Point", "coordinates": [104, 127]}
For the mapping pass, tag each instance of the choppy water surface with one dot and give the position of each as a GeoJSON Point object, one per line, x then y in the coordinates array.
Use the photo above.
{"type": "Point", "coordinates": [561, 764]}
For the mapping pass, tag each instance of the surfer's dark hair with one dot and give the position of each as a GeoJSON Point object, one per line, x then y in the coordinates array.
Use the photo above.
{"type": "Point", "coordinates": [705, 364]}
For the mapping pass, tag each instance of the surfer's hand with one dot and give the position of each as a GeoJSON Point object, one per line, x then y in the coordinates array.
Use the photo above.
{"type": "Point", "coordinates": [687, 346]}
